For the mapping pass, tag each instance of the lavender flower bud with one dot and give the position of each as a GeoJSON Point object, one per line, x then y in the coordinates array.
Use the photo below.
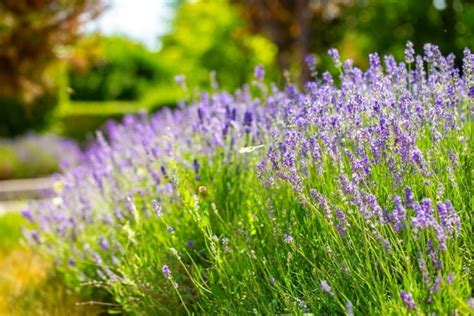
{"type": "Point", "coordinates": [247, 121]}
{"type": "Point", "coordinates": [180, 81]}
{"type": "Point", "coordinates": [157, 208]}
{"type": "Point", "coordinates": [259, 72]}
{"type": "Point", "coordinates": [310, 61]}
{"type": "Point", "coordinates": [407, 300]}
{"type": "Point", "coordinates": [104, 244]}
{"type": "Point", "coordinates": [349, 309]}
{"type": "Point", "coordinates": [325, 287]}
{"type": "Point", "coordinates": [409, 53]}
{"type": "Point", "coordinates": [450, 278]}
{"type": "Point", "coordinates": [288, 238]}
{"type": "Point", "coordinates": [196, 166]}
{"type": "Point", "coordinates": [334, 54]}
{"type": "Point", "coordinates": [166, 271]}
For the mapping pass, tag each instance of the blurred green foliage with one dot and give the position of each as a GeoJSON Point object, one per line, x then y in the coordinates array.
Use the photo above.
{"type": "Point", "coordinates": [211, 36]}
{"type": "Point", "coordinates": [18, 116]}
{"type": "Point", "coordinates": [10, 230]}
{"type": "Point", "coordinates": [231, 38]}
{"type": "Point", "coordinates": [204, 37]}
{"type": "Point", "coordinates": [384, 26]}
{"type": "Point", "coordinates": [113, 68]}
{"type": "Point", "coordinates": [357, 27]}
{"type": "Point", "coordinates": [80, 124]}
{"type": "Point", "coordinates": [111, 76]}
{"type": "Point", "coordinates": [108, 76]}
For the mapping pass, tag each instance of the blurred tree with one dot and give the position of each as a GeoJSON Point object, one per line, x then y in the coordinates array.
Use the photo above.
{"type": "Point", "coordinates": [297, 27]}
{"type": "Point", "coordinates": [31, 31]}
{"type": "Point", "coordinates": [357, 27]}
{"type": "Point", "coordinates": [210, 35]}
{"type": "Point", "coordinates": [385, 26]}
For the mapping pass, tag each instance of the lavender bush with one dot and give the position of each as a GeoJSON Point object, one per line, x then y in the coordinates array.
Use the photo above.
{"type": "Point", "coordinates": [36, 155]}
{"type": "Point", "coordinates": [352, 196]}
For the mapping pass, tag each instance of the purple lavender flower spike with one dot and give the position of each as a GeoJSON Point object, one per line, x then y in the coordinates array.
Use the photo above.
{"type": "Point", "coordinates": [334, 54]}
{"type": "Point", "coordinates": [342, 222]}
{"type": "Point", "coordinates": [104, 244]}
{"type": "Point", "coordinates": [470, 303]}
{"type": "Point", "coordinates": [409, 198]}
{"type": "Point", "coordinates": [259, 72]}
{"type": "Point", "coordinates": [349, 309]}
{"type": "Point", "coordinates": [28, 215]}
{"type": "Point", "coordinates": [409, 53]}
{"type": "Point", "coordinates": [180, 80]}
{"type": "Point", "coordinates": [97, 258]}
{"type": "Point", "coordinates": [163, 171]}
{"type": "Point", "coordinates": [450, 278]}
{"type": "Point", "coordinates": [436, 284]}
{"type": "Point", "coordinates": [325, 287]}
{"type": "Point", "coordinates": [288, 238]}
{"type": "Point", "coordinates": [310, 61]}
{"type": "Point", "coordinates": [71, 261]}
{"type": "Point", "coordinates": [196, 166]}
{"type": "Point", "coordinates": [424, 215]}
{"type": "Point", "coordinates": [399, 214]}
{"type": "Point", "coordinates": [407, 300]}
{"type": "Point", "coordinates": [451, 220]}
{"type": "Point", "coordinates": [35, 236]}
{"type": "Point", "coordinates": [248, 117]}
{"type": "Point", "coordinates": [157, 208]}
{"type": "Point", "coordinates": [166, 271]}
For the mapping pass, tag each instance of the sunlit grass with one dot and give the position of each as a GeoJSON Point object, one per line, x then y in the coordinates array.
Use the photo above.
{"type": "Point", "coordinates": [28, 283]}
{"type": "Point", "coordinates": [104, 108]}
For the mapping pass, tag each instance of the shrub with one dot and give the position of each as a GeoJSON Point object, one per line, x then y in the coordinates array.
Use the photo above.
{"type": "Point", "coordinates": [19, 116]}
{"type": "Point", "coordinates": [113, 68]}
{"type": "Point", "coordinates": [350, 198]}
{"type": "Point", "coordinates": [36, 155]}
{"type": "Point", "coordinates": [30, 34]}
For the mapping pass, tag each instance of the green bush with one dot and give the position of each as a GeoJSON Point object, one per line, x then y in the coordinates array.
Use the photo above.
{"type": "Point", "coordinates": [211, 36]}
{"type": "Point", "coordinates": [119, 69]}
{"type": "Point", "coordinates": [17, 116]}
{"type": "Point", "coordinates": [81, 127]}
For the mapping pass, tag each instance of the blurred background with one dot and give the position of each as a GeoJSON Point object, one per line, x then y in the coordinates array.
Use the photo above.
{"type": "Point", "coordinates": [67, 66]}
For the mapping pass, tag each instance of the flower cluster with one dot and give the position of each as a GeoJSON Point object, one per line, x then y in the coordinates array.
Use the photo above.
{"type": "Point", "coordinates": [367, 166]}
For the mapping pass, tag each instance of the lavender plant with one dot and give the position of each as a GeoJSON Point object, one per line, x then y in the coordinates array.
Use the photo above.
{"type": "Point", "coordinates": [35, 155]}
{"type": "Point", "coordinates": [352, 196]}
